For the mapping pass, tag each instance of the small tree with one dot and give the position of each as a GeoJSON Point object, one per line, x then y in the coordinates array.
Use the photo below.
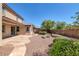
{"type": "Point", "coordinates": [47, 25]}
{"type": "Point", "coordinates": [60, 25]}
{"type": "Point", "coordinates": [76, 17]}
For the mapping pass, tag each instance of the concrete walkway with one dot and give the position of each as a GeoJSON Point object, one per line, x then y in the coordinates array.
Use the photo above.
{"type": "Point", "coordinates": [18, 51]}
{"type": "Point", "coordinates": [19, 44]}
{"type": "Point", "coordinates": [19, 39]}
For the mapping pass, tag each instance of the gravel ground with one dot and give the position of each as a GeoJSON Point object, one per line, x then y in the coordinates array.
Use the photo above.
{"type": "Point", "coordinates": [39, 45]}
{"type": "Point", "coordinates": [6, 50]}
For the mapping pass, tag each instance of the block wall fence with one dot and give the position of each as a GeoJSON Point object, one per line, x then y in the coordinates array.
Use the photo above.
{"type": "Point", "coordinates": [68, 32]}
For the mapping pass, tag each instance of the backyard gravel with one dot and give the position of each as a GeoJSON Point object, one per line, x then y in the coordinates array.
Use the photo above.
{"type": "Point", "coordinates": [39, 45]}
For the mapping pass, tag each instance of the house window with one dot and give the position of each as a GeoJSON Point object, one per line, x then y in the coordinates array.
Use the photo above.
{"type": "Point", "coordinates": [3, 28]}
{"type": "Point", "coordinates": [17, 28]}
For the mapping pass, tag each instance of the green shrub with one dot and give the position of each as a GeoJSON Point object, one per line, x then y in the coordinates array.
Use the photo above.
{"type": "Point", "coordinates": [64, 47]}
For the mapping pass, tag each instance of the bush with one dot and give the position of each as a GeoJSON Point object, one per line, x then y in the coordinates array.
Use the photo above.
{"type": "Point", "coordinates": [64, 47]}
{"type": "Point", "coordinates": [42, 32]}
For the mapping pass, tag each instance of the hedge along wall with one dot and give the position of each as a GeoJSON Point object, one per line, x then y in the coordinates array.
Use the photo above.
{"type": "Point", "coordinates": [68, 32]}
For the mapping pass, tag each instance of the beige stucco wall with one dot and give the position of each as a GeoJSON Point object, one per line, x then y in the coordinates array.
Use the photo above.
{"type": "Point", "coordinates": [9, 15]}
{"type": "Point", "coordinates": [20, 20]}
{"type": "Point", "coordinates": [8, 25]}
{"type": "Point", "coordinates": [7, 32]}
{"type": "Point", "coordinates": [22, 29]}
{"type": "Point", "coordinates": [31, 30]}
{"type": "Point", "coordinates": [0, 22]}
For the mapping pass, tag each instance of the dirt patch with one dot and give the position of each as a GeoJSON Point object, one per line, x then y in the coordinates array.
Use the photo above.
{"type": "Point", "coordinates": [6, 49]}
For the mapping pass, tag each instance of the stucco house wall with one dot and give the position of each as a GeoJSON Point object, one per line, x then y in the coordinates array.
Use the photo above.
{"type": "Point", "coordinates": [31, 29]}
{"type": "Point", "coordinates": [8, 14]}
{"type": "Point", "coordinates": [7, 32]}
{"type": "Point", "coordinates": [20, 20]}
{"type": "Point", "coordinates": [22, 29]}
{"type": "Point", "coordinates": [9, 17]}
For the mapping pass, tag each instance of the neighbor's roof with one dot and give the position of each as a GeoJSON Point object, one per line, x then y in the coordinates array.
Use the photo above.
{"type": "Point", "coordinates": [4, 5]}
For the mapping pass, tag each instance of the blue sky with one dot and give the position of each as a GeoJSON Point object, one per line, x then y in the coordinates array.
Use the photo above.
{"type": "Point", "coordinates": [35, 13]}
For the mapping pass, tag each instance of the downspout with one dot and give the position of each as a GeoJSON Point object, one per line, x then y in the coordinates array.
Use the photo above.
{"type": "Point", "coordinates": [16, 25]}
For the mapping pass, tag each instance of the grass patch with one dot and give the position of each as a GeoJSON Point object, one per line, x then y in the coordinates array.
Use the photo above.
{"type": "Point", "coordinates": [64, 47]}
